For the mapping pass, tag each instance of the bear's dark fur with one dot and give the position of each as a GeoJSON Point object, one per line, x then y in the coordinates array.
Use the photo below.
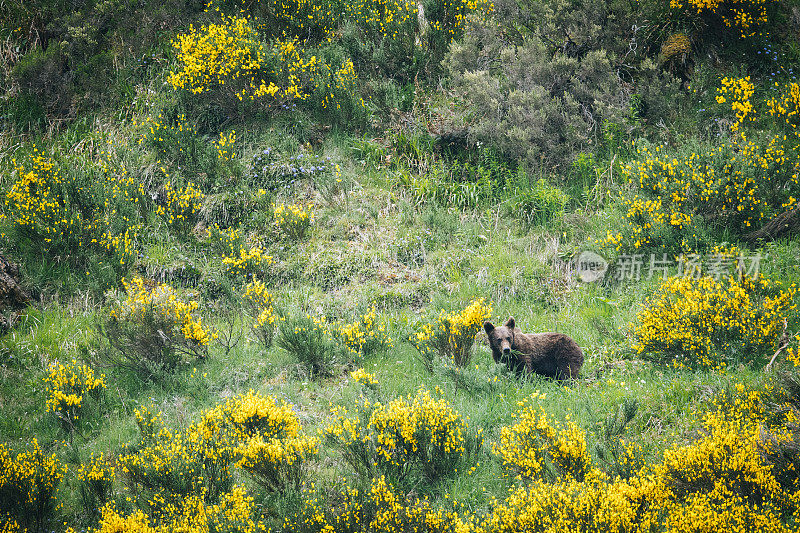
{"type": "Point", "coordinates": [553, 355]}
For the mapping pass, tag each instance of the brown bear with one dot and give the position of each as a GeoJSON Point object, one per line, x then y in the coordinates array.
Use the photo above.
{"type": "Point", "coordinates": [553, 355]}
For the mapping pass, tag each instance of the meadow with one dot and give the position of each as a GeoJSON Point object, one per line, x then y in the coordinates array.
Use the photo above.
{"type": "Point", "coordinates": [258, 242]}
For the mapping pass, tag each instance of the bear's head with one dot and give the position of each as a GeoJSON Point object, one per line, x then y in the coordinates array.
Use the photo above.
{"type": "Point", "coordinates": [501, 340]}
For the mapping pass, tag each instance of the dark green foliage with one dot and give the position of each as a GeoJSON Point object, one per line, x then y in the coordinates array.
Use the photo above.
{"type": "Point", "coordinates": [535, 104]}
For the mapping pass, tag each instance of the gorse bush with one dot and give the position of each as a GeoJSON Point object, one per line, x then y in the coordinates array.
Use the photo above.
{"type": "Point", "coordinates": [406, 436]}
{"type": "Point", "coordinates": [293, 220]}
{"type": "Point", "coordinates": [365, 378]}
{"type": "Point", "coordinates": [67, 386]}
{"type": "Point", "coordinates": [722, 480]}
{"type": "Point", "coordinates": [365, 336]}
{"type": "Point", "coordinates": [168, 465]}
{"type": "Point", "coordinates": [713, 323]}
{"type": "Point", "coordinates": [152, 329]}
{"type": "Point", "coordinates": [179, 206]}
{"type": "Point", "coordinates": [234, 512]}
{"type": "Point", "coordinates": [261, 306]}
{"type": "Point", "coordinates": [229, 64]}
{"type": "Point", "coordinates": [743, 187]}
{"type": "Point", "coordinates": [745, 17]}
{"type": "Point", "coordinates": [452, 335]}
{"type": "Point", "coordinates": [28, 484]}
{"type": "Point", "coordinates": [271, 447]}
{"type": "Point", "coordinates": [250, 431]}
{"type": "Point", "coordinates": [74, 205]}
{"type": "Point", "coordinates": [535, 448]}
{"type": "Point", "coordinates": [246, 261]}
{"type": "Point", "coordinates": [380, 508]}
{"type": "Point", "coordinates": [96, 478]}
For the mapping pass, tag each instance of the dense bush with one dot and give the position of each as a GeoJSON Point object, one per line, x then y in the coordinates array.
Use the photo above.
{"type": "Point", "coordinates": [402, 438]}
{"type": "Point", "coordinates": [309, 340]}
{"type": "Point", "coordinates": [535, 448]}
{"type": "Point", "coordinates": [536, 103]}
{"type": "Point", "coordinates": [84, 208]}
{"type": "Point", "coordinates": [28, 484]}
{"type": "Point", "coordinates": [746, 186]}
{"type": "Point", "coordinates": [714, 323]}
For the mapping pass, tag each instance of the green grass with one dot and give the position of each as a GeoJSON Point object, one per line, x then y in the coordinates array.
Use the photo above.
{"type": "Point", "coordinates": [373, 241]}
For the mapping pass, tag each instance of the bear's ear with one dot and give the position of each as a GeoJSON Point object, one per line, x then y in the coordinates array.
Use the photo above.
{"type": "Point", "coordinates": [489, 327]}
{"type": "Point", "coordinates": [510, 323]}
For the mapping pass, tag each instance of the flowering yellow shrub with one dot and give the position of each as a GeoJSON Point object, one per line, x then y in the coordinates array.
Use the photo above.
{"type": "Point", "coordinates": [452, 335]}
{"type": "Point", "coordinates": [96, 480]}
{"type": "Point", "coordinates": [400, 437]}
{"type": "Point", "coordinates": [365, 378]}
{"type": "Point", "coordinates": [367, 335]}
{"type": "Point", "coordinates": [379, 509]}
{"type": "Point", "coordinates": [743, 15]}
{"type": "Point", "coordinates": [171, 465]}
{"type": "Point", "coordinates": [67, 386]}
{"type": "Point", "coordinates": [278, 464]}
{"type": "Point", "coordinates": [252, 414]}
{"type": "Point", "coordinates": [738, 92]}
{"type": "Point", "coordinates": [736, 187]}
{"type": "Point", "coordinates": [56, 209]}
{"type": "Point", "coordinates": [229, 57]}
{"type": "Point", "coordinates": [28, 484]}
{"type": "Point", "coordinates": [180, 206]}
{"type": "Point", "coordinates": [216, 54]}
{"type": "Point", "coordinates": [249, 431]}
{"type": "Point", "coordinates": [225, 146]}
{"type": "Point", "coordinates": [234, 512]}
{"type": "Point", "coordinates": [293, 220]}
{"type": "Point", "coordinates": [534, 444]}
{"type": "Point", "coordinates": [250, 260]}
{"type": "Point", "coordinates": [261, 303]}
{"type": "Point", "coordinates": [723, 481]}
{"type": "Point", "coordinates": [152, 328]}
{"type": "Point", "coordinates": [176, 140]}
{"type": "Point", "coordinates": [710, 323]}
{"type": "Point", "coordinates": [787, 105]}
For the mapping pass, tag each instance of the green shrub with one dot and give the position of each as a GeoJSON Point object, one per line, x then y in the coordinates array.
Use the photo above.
{"type": "Point", "coordinates": [534, 104]}
{"type": "Point", "coordinates": [309, 340]}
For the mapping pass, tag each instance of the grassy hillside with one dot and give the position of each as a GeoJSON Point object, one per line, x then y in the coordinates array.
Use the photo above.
{"type": "Point", "coordinates": [259, 241]}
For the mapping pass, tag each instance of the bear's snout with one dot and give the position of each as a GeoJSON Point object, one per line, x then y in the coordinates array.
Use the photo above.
{"type": "Point", "coordinates": [506, 350]}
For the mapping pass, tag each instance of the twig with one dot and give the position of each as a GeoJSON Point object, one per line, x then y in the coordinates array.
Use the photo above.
{"type": "Point", "coordinates": [784, 340]}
